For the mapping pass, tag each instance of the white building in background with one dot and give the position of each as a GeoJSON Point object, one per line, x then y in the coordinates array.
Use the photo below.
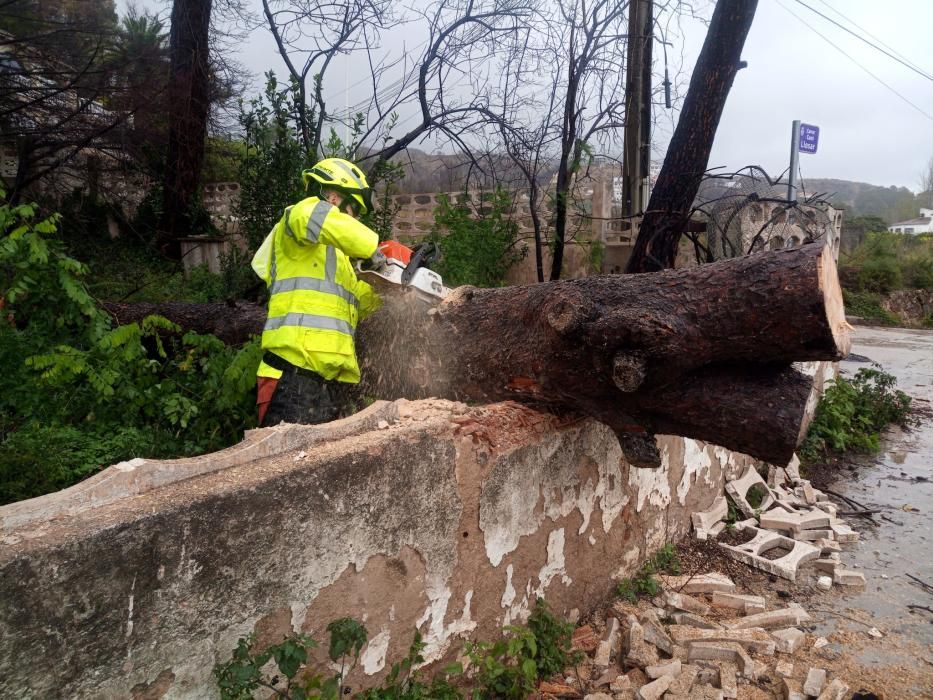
{"type": "Point", "coordinates": [922, 224]}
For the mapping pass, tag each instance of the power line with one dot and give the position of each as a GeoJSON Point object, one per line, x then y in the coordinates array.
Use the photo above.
{"type": "Point", "coordinates": [861, 38]}
{"type": "Point", "coordinates": [873, 36]}
{"type": "Point", "coordinates": [815, 31]}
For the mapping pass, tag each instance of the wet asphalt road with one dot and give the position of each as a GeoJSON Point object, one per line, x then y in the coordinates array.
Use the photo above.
{"type": "Point", "coordinates": [900, 482]}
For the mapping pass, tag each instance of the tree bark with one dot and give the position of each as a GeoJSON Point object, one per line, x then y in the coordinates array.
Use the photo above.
{"type": "Point", "coordinates": [688, 153]}
{"type": "Point", "coordinates": [189, 105]}
{"type": "Point", "coordinates": [234, 323]}
{"type": "Point", "coordinates": [703, 352]}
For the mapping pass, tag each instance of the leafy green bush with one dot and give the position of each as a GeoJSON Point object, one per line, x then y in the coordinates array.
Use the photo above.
{"type": "Point", "coordinates": [853, 413]}
{"type": "Point", "coordinates": [477, 251]}
{"type": "Point", "coordinates": [272, 159]}
{"type": "Point", "coordinates": [644, 584]}
{"type": "Point", "coordinates": [142, 388]}
{"type": "Point", "coordinates": [885, 261]}
{"type": "Point", "coordinates": [881, 274]}
{"type": "Point", "coordinates": [867, 305]}
{"type": "Point", "coordinates": [505, 669]}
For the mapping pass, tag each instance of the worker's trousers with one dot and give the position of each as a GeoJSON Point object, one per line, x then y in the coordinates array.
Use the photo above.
{"type": "Point", "coordinates": [303, 397]}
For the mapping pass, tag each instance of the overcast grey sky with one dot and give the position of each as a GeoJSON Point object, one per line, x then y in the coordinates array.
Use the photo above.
{"type": "Point", "coordinates": [867, 133]}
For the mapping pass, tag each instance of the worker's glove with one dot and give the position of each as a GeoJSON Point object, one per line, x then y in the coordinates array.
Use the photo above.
{"type": "Point", "coordinates": [377, 260]}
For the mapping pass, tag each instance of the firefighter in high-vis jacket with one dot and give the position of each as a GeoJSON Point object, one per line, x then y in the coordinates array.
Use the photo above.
{"type": "Point", "coordinates": [315, 298]}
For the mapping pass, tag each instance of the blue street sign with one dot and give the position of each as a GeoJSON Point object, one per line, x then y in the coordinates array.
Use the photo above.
{"type": "Point", "coordinates": [809, 138]}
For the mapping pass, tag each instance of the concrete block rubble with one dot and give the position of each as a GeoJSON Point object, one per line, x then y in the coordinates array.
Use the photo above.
{"type": "Point", "coordinates": [701, 637]}
{"type": "Point", "coordinates": [790, 519]}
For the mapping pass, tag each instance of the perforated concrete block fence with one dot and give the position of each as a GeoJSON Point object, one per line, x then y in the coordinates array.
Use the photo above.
{"type": "Point", "coordinates": [446, 518]}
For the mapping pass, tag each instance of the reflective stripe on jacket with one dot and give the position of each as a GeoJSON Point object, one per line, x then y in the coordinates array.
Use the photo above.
{"type": "Point", "coordinates": [315, 299]}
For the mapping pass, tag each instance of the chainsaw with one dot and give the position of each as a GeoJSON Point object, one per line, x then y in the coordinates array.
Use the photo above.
{"type": "Point", "coordinates": [406, 270]}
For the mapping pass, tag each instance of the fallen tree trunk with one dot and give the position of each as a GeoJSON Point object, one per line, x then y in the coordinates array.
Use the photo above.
{"type": "Point", "coordinates": [703, 352]}
{"type": "Point", "coordinates": [234, 323]}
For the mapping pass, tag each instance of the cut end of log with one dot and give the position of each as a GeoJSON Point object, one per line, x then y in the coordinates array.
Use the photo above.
{"type": "Point", "coordinates": [835, 307]}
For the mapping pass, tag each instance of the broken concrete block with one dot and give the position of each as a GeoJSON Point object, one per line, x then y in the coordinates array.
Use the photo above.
{"type": "Point", "coordinates": [827, 507]}
{"type": "Point", "coordinates": [739, 489]}
{"type": "Point", "coordinates": [793, 469]}
{"type": "Point", "coordinates": [792, 689]}
{"type": "Point", "coordinates": [585, 639]}
{"type": "Point", "coordinates": [820, 642]}
{"type": "Point", "coordinates": [790, 615]}
{"type": "Point", "coordinates": [786, 567]}
{"type": "Point", "coordinates": [742, 524]}
{"type": "Point", "coordinates": [620, 683]}
{"type": "Point", "coordinates": [808, 494]}
{"type": "Point", "coordinates": [716, 530]}
{"type": "Point", "coordinates": [704, 520]}
{"type": "Point", "coordinates": [824, 583]}
{"type": "Point", "coordinates": [813, 535]}
{"type": "Point", "coordinates": [816, 678]}
{"type": "Point", "coordinates": [748, 604]}
{"type": "Point", "coordinates": [610, 645]}
{"type": "Point", "coordinates": [785, 669]}
{"type": "Point", "coordinates": [687, 603]}
{"type": "Point", "coordinates": [728, 682]}
{"type": "Point", "coordinates": [671, 668]}
{"type": "Point", "coordinates": [755, 640]}
{"type": "Point", "coordinates": [642, 655]}
{"type": "Point", "coordinates": [843, 532]}
{"type": "Point", "coordinates": [794, 522]}
{"type": "Point", "coordinates": [828, 546]}
{"type": "Point", "coordinates": [654, 633]}
{"type": "Point", "coordinates": [706, 692]}
{"type": "Point", "coordinates": [788, 640]}
{"type": "Point", "coordinates": [684, 682]}
{"type": "Point", "coordinates": [826, 564]}
{"type": "Point", "coordinates": [700, 583]}
{"type": "Point", "coordinates": [691, 620]}
{"type": "Point", "coordinates": [655, 689]}
{"type": "Point", "coordinates": [723, 651]}
{"type": "Point", "coordinates": [837, 690]}
{"type": "Point", "coordinates": [847, 577]}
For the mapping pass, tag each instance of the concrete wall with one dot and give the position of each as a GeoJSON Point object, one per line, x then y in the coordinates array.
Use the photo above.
{"type": "Point", "coordinates": [446, 518]}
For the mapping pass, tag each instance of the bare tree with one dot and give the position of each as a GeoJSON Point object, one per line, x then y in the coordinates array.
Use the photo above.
{"type": "Point", "coordinates": [63, 84]}
{"type": "Point", "coordinates": [462, 34]}
{"type": "Point", "coordinates": [926, 177]}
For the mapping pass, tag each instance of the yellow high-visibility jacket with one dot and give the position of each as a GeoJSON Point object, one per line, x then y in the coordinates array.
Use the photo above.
{"type": "Point", "coordinates": [315, 298]}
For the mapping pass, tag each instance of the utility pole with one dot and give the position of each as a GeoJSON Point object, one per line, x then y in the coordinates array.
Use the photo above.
{"type": "Point", "coordinates": [794, 160]}
{"type": "Point", "coordinates": [636, 150]}
{"type": "Point", "coordinates": [688, 154]}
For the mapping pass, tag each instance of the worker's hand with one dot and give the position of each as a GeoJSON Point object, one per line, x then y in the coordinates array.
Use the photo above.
{"type": "Point", "coordinates": [377, 260]}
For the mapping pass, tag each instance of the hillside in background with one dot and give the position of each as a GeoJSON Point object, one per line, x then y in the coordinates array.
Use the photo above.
{"type": "Point", "coordinates": [426, 172]}
{"type": "Point", "coordinates": [861, 199]}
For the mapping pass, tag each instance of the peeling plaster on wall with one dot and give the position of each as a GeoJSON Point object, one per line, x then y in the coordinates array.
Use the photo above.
{"type": "Point", "coordinates": [508, 595]}
{"type": "Point", "coordinates": [374, 656]}
{"type": "Point", "coordinates": [695, 461]}
{"type": "Point", "coordinates": [299, 613]}
{"type": "Point", "coordinates": [555, 563]}
{"type": "Point", "coordinates": [514, 612]}
{"type": "Point", "coordinates": [510, 496]}
{"type": "Point", "coordinates": [652, 484]}
{"type": "Point", "coordinates": [438, 636]}
{"type": "Point", "coordinates": [323, 519]}
{"type": "Point", "coordinates": [630, 560]}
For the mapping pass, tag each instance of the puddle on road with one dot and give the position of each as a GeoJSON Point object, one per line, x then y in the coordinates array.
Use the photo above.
{"type": "Point", "coordinates": [900, 483]}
